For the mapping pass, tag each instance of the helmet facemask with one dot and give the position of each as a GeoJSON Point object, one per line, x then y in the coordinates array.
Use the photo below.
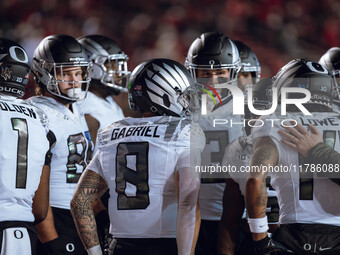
{"type": "Point", "coordinates": [52, 74]}
{"type": "Point", "coordinates": [184, 100]}
{"type": "Point", "coordinates": [336, 88]}
{"type": "Point", "coordinates": [248, 76]}
{"type": "Point", "coordinates": [215, 76]}
{"type": "Point", "coordinates": [228, 72]}
{"type": "Point", "coordinates": [112, 71]}
{"type": "Point", "coordinates": [254, 70]}
{"type": "Point", "coordinates": [189, 100]}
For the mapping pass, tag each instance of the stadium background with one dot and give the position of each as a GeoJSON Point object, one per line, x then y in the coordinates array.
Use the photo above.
{"type": "Point", "coordinates": [276, 30]}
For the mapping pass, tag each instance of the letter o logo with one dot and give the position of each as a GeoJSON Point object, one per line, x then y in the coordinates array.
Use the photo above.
{"type": "Point", "coordinates": [316, 67]}
{"type": "Point", "coordinates": [18, 234]}
{"type": "Point", "coordinates": [70, 247]}
{"type": "Point", "coordinates": [307, 247]}
{"type": "Point", "coordinates": [18, 54]}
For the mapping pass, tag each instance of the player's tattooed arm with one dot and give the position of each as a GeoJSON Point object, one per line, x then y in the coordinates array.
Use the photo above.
{"type": "Point", "coordinates": [91, 186]}
{"type": "Point", "coordinates": [265, 154]}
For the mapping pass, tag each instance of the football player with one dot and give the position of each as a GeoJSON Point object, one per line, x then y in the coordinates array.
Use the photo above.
{"type": "Point", "coordinates": [109, 75]}
{"type": "Point", "coordinates": [309, 204]}
{"type": "Point", "coordinates": [61, 67]}
{"type": "Point", "coordinates": [250, 72]}
{"type": "Point", "coordinates": [24, 154]}
{"type": "Point", "coordinates": [145, 163]}
{"type": "Point", "coordinates": [234, 235]}
{"type": "Point", "coordinates": [213, 61]}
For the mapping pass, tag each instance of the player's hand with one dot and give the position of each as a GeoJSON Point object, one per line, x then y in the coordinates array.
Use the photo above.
{"type": "Point", "coordinates": [301, 140]}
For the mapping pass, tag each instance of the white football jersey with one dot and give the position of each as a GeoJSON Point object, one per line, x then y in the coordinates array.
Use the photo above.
{"type": "Point", "coordinates": [238, 154]}
{"type": "Point", "coordinates": [138, 158]}
{"type": "Point", "coordinates": [304, 197]}
{"type": "Point", "coordinates": [217, 138]}
{"type": "Point", "coordinates": [22, 155]}
{"type": "Point", "coordinates": [71, 152]}
{"type": "Point", "coordinates": [106, 111]}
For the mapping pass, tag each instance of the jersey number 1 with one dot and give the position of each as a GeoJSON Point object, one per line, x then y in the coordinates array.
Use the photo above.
{"type": "Point", "coordinates": [20, 125]}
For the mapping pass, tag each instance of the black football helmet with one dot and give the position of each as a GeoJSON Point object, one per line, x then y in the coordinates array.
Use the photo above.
{"type": "Point", "coordinates": [249, 61]}
{"type": "Point", "coordinates": [53, 54]}
{"type": "Point", "coordinates": [302, 73]}
{"type": "Point", "coordinates": [160, 86]}
{"type": "Point", "coordinates": [109, 62]}
{"type": "Point", "coordinates": [331, 60]}
{"type": "Point", "coordinates": [213, 51]}
{"type": "Point", "coordinates": [15, 68]}
{"type": "Point", "coordinates": [263, 94]}
{"type": "Point", "coordinates": [262, 99]}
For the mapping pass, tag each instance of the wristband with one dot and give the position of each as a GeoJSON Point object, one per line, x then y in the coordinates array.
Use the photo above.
{"type": "Point", "coordinates": [258, 225]}
{"type": "Point", "coordinates": [95, 250]}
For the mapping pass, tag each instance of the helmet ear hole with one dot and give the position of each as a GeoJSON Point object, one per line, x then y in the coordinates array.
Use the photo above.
{"type": "Point", "coordinates": [166, 100]}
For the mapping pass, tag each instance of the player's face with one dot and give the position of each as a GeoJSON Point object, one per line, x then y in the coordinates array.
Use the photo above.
{"type": "Point", "coordinates": [244, 79]}
{"type": "Point", "coordinates": [112, 69]}
{"type": "Point", "coordinates": [71, 75]}
{"type": "Point", "coordinates": [213, 76]}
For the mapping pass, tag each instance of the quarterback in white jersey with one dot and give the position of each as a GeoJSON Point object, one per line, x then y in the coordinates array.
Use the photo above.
{"type": "Point", "coordinates": [309, 207]}
{"type": "Point", "coordinates": [217, 139]}
{"type": "Point", "coordinates": [24, 156]}
{"type": "Point", "coordinates": [213, 59]}
{"type": "Point", "coordinates": [146, 164]}
{"type": "Point", "coordinates": [60, 68]}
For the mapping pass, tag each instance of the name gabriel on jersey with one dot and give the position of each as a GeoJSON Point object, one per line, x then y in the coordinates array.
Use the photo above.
{"type": "Point", "coordinates": [149, 131]}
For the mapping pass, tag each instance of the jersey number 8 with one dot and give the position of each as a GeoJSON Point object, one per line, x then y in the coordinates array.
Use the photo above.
{"type": "Point", "coordinates": [139, 151]}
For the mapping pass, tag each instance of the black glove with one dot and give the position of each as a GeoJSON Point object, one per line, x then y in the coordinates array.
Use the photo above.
{"type": "Point", "coordinates": [267, 246]}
